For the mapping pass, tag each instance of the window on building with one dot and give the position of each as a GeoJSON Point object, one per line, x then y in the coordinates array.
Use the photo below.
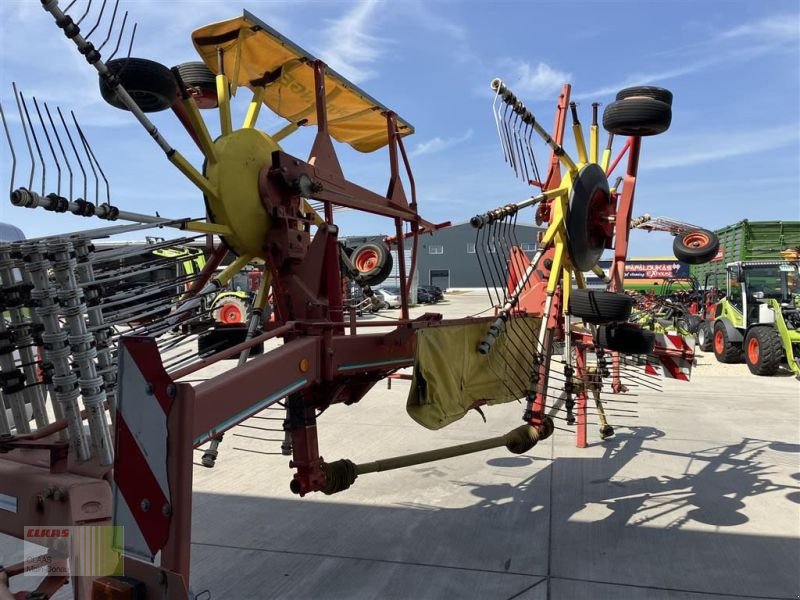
{"type": "Point", "coordinates": [435, 249]}
{"type": "Point", "coordinates": [528, 246]}
{"type": "Point", "coordinates": [470, 248]}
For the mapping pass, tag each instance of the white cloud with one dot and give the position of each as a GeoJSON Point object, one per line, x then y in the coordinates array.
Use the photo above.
{"type": "Point", "coordinates": [706, 147]}
{"type": "Point", "coordinates": [537, 83]}
{"type": "Point", "coordinates": [438, 144]}
{"type": "Point", "coordinates": [348, 47]}
{"type": "Point", "coordinates": [774, 28]}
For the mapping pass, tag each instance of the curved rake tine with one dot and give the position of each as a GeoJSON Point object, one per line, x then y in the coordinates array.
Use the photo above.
{"type": "Point", "coordinates": [35, 140]}
{"type": "Point", "coordinates": [61, 147]}
{"type": "Point", "coordinates": [88, 157]}
{"type": "Point", "coordinates": [83, 16]}
{"type": "Point", "coordinates": [94, 158]}
{"type": "Point", "coordinates": [25, 131]}
{"type": "Point", "coordinates": [119, 37]}
{"type": "Point", "coordinates": [110, 26]}
{"type": "Point", "coordinates": [49, 143]}
{"type": "Point", "coordinates": [74, 150]}
{"type": "Point", "coordinates": [10, 147]}
{"type": "Point", "coordinates": [70, 5]}
{"type": "Point", "coordinates": [496, 113]}
{"type": "Point", "coordinates": [97, 24]}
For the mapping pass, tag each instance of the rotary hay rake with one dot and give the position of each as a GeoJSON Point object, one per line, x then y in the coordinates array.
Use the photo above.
{"type": "Point", "coordinates": [86, 334]}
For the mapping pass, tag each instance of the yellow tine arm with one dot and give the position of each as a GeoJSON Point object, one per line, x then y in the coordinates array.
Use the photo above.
{"type": "Point", "coordinates": [192, 174]}
{"type": "Point", "coordinates": [566, 282]}
{"type": "Point", "coordinates": [607, 152]}
{"type": "Point", "coordinates": [224, 101]}
{"type": "Point", "coordinates": [577, 132]}
{"type": "Point", "coordinates": [263, 291]}
{"type": "Point", "coordinates": [594, 135]}
{"type": "Point", "coordinates": [255, 106]}
{"type": "Point", "coordinates": [555, 270]}
{"type": "Point", "coordinates": [205, 227]}
{"type": "Point", "coordinates": [199, 125]}
{"type": "Point", "coordinates": [580, 280]}
{"type": "Point", "coordinates": [286, 131]}
{"type": "Point", "coordinates": [233, 268]}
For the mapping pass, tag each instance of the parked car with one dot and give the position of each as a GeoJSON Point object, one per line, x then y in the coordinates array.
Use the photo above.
{"type": "Point", "coordinates": [424, 296]}
{"type": "Point", "coordinates": [391, 296]}
{"type": "Point", "coordinates": [435, 291]}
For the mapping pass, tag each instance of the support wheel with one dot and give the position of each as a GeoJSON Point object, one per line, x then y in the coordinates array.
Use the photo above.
{"type": "Point", "coordinates": [648, 91]}
{"type": "Point", "coordinates": [625, 338]}
{"type": "Point", "coordinates": [150, 84]}
{"type": "Point", "coordinates": [763, 351]}
{"type": "Point", "coordinates": [373, 261]}
{"type": "Point", "coordinates": [705, 337]}
{"type": "Point", "coordinates": [600, 306]}
{"type": "Point", "coordinates": [696, 247]}
{"type": "Point", "coordinates": [638, 116]}
{"type": "Point", "coordinates": [230, 310]}
{"type": "Point", "coordinates": [606, 432]}
{"type": "Point", "coordinates": [200, 82]}
{"type": "Point", "coordinates": [725, 350]}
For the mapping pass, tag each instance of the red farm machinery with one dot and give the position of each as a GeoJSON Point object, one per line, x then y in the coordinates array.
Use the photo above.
{"type": "Point", "coordinates": [103, 418]}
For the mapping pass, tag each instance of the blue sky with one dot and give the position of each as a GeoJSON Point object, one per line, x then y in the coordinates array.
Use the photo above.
{"type": "Point", "coordinates": [733, 150]}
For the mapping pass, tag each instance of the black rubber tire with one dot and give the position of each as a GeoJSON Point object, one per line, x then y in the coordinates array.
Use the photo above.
{"type": "Point", "coordinates": [770, 350]}
{"type": "Point", "coordinates": [589, 193]}
{"type": "Point", "coordinates": [383, 274]}
{"type": "Point", "coordinates": [200, 82]}
{"type": "Point", "coordinates": [151, 85]}
{"type": "Point", "coordinates": [729, 352]}
{"type": "Point", "coordinates": [625, 339]}
{"type": "Point", "coordinates": [637, 116]}
{"type": "Point", "coordinates": [649, 91]}
{"type": "Point", "coordinates": [600, 306]}
{"type": "Point", "coordinates": [690, 248]}
{"type": "Point", "coordinates": [705, 337]}
{"type": "Point", "coordinates": [689, 322]}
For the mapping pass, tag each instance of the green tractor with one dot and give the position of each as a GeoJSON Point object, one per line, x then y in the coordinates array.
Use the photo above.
{"type": "Point", "coordinates": [759, 317]}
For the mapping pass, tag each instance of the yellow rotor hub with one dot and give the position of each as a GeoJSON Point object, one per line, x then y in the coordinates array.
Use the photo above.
{"type": "Point", "coordinates": [240, 155]}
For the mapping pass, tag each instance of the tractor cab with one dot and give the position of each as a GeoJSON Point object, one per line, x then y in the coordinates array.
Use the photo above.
{"type": "Point", "coordinates": [759, 317]}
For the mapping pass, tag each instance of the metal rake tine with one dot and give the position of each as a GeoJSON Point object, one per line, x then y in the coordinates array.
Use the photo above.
{"type": "Point", "coordinates": [521, 151]}
{"type": "Point", "coordinates": [110, 26]}
{"type": "Point", "coordinates": [97, 24]}
{"type": "Point", "coordinates": [25, 131]}
{"type": "Point", "coordinates": [61, 147]}
{"type": "Point", "coordinates": [70, 5]}
{"type": "Point", "coordinates": [508, 140]}
{"type": "Point", "coordinates": [119, 37]}
{"type": "Point", "coordinates": [35, 140]}
{"type": "Point", "coordinates": [88, 158]}
{"type": "Point", "coordinates": [496, 113]}
{"type": "Point", "coordinates": [74, 150]}
{"type": "Point", "coordinates": [83, 16]}
{"type": "Point", "coordinates": [11, 148]}
{"type": "Point", "coordinates": [96, 162]}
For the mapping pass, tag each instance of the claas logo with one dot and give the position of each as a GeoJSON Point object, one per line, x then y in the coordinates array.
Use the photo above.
{"type": "Point", "coordinates": [46, 532]}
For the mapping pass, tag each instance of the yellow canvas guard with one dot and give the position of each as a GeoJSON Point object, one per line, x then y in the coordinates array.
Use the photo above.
{"type": "Point", "coordinates": [451, 377]}
{"type": "Point", "coordinates": [252, 50]}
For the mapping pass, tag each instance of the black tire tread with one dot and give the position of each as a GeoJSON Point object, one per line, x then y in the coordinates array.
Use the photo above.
{"type": "Point", "coordinates": [708, 342]}
{"type": "Point", "coordinates": [197, 74]}
{"type": "Point", "coordinates": [770, 351]}
{"type": "Point", "coordinates": [637, 116]}
{"type": "Point", "coordinates": [151, 85]}
{"type": "Point", "coordinates": [625, 339]}
{"type": "Point", "coordinates": [695, 256]}
{"type": "Point", "coordinates": [600, 306]}
{"type": "Point", "coordinates": [732, 352]}
{"type": "Point", "coordinates": [650, 91]}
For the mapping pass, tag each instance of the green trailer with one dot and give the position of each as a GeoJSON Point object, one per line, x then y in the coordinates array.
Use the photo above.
{"type": "Point", "coordinates": [750, 241]}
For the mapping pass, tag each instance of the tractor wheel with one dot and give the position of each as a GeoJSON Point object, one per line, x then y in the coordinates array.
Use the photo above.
{"type": "Point", "coordinates": [763, 350]}
{"type": "Point", "coordinates": [638, 116]}
{"type": "Point", "coordinates": [648, 91]}
{"type": "Point", "coordinates": [373, 262]}
{"type": "Point", "coordinates": [725, 350]}
{"type": "Point", "coordinates": [600, 306]}
{"type": "Point", "coordinates": [625, 338]}
{"type": "Point", "coordinates": [200, 82]}
{"type": "Point", "coordinates": [230, 310]}
{"type": "Point", "coordinates": [150, 84]}
{"type": "Point", "coordinates": [589, 231]}
{"type": "Point", "coordinates": [705, 337]}
{"type": "Point", "coordinates": [695, 247]}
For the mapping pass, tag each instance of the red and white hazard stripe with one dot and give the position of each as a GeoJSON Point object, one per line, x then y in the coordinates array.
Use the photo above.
{"type": "Point", "coordinates": [142, 504]}
{"type": "Point", "coordinates": [672, 356]}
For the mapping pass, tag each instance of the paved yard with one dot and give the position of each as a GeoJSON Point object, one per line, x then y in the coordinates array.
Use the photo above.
{"type": "Point", "coordinates": [696, 497]}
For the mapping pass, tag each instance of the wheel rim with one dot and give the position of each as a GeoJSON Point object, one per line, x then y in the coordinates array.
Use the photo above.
{"type": "Point", "coordinates": [366, 260]}
{"type": "Point", "coordinates": [696, 239]}
{"type": "Point", "coordinates": [719, 342]}
{"type": "Point", "coordinates": [752, 351]}
{"type": "Point", "coordinates": [230, 313]}
{"type": "Point", "coordinates": [701, 337]}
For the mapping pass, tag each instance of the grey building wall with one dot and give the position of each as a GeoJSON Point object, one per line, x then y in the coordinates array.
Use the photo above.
{"type": "Point", "coordinates": [457, 264]}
